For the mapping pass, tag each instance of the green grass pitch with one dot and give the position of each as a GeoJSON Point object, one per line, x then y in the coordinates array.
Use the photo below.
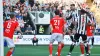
{"type": "Point", "coordinates": [28, 50]}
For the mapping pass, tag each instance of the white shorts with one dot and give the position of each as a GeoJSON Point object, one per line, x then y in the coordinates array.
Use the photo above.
{"type": "Point", "coordinates": [89, 38]}
{"type": "Point", "coordinates": [9, 41]}
{"type": "Point", "coordinates": [56, 36]}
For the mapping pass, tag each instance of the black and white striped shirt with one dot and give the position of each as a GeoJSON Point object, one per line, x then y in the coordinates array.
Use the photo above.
{"type": "Point", "coordinates": [74, 15]}
{"type": "Point", "coordinates": [82, 21]}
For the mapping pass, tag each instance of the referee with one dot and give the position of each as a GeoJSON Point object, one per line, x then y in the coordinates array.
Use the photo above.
{"type": "Point", "coordinates": [83, 17]}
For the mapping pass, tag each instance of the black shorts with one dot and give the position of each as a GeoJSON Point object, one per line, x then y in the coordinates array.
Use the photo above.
{"type": "Point", "coordinates": [77, 36]}
{"type": "Point", "coordinates": [34, 41]}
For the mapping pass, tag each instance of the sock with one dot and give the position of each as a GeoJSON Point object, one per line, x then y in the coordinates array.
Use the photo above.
{"type": "Point", "coordinates": [13, 51]}
{"type": "Point", "coordinates": [50, 49]}
{"type": "Point", "coordinates": [62, 45]}
{"type": "Point", "coordinates": [82, 48]}
{"type": "Point", "coordinates": [59, 49]}
{"type": "Point", "coordinates": [92, 41]}
{"type": "Point", "coordinates": [71, 48]}
{"type": "Point", "coordinates": [71, 38]}
{"type": "Point", "coordinates": [9, 53]}
{"type": "Point", "coordinates": [86, 48]}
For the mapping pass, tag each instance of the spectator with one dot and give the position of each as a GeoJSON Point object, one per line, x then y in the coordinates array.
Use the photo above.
{"type": "Point", "coordinates": [29, 7]}
{"type": "Point", "coordinates": [8, 17]}
{"type": "Point", "coordinates": [26, 3]}
{"type": "Point", "coordinates": [21, 22]}
{"type": "Point", "coordinates": [13, 3]}
{"type": "Point", "coordinates": [22, 7]}
{"type": "Point", "coordinates": [39, 8]}
{"type": "Point", "coordinates": [19, 16]}
{"type": "Point", "coordinates": [17, 11]}
{"type": "Point", "coordinates": [42, 4]}
{"type": "Point", "coordinates": [37, 3]}
{"type": "Point", "coordinates": [31, 2]}
{"type": "Point", "coordinates": [29, 30]}
{"type": "Point", "coordinates": [34, 8]}
{"type": "Point", "coordinates": [35, 40]}
{"type": "Point", "coordinates": [43, 9]}
{"type": "Point", "coordinates": [22, 1]}
{"type": "Point", "coordinates": [41, 29]}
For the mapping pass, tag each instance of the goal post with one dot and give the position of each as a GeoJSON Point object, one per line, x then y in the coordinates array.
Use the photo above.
{"type": "Point", "coordinates": [1, 29]}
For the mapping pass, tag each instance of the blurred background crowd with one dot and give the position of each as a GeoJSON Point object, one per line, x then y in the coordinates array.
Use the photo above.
{"type": "Point", "coordinates": [21, 7]}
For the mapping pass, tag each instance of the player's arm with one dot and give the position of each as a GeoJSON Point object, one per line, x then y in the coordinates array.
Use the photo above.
{"type": "Point", "coordinates": [19, 30]}
{"type": "Point", "coordinates": [51, 28]}
{"type": "Point", "coordinates": [64, 27]}
{"type": "Point", "coordinates": [78, 4]}
{"type": "Point", "coordinates": [90, 22]}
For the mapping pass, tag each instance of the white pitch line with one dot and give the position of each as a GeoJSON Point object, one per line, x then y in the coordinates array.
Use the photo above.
{"type": "Point", "coordinates": [90, 54]}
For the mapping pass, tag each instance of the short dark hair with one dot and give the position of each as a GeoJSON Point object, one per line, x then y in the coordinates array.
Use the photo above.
{"type": "Point", "coordinates": [12, 16]}
{"type": "Point", "coordinates": [72, 5]}
{"type": "Point", "coordinates": [57, 12]}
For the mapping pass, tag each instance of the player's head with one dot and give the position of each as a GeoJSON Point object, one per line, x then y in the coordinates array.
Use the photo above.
{"type": "Point", "coordinates": [89, 23]}
{"type": "Point", "coordinates": [12, 16]}
{"type": "Point", "coordinates": [88, 9]}
{"type": "Point", "coordinates": [57, 12]}
{"type": "Point", "coordinates": [72, 6]}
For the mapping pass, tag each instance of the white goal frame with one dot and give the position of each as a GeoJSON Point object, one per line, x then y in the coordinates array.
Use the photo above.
{"type": "Point", "coordinates": [1, 29]}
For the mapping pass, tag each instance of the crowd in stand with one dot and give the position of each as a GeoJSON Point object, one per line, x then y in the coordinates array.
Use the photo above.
{"type": "Point", "coordinates": [20, 10]}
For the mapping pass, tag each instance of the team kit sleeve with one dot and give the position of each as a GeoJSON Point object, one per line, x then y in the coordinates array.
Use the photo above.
{"type": "Point", "coordinates": [51, 28]}
{"type": "Point", "coordinates": [51, 22]}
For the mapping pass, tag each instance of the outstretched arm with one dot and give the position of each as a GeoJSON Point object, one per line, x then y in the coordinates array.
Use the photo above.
{"type": "Point", "coordinates": [19, 30]}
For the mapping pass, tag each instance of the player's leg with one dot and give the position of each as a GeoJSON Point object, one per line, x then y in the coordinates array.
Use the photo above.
{"type": "Point", "coordinates": [84, 38]}
{"type": "Point", "coordinates": [10, 45]}
{"type": "Point", "coordinates": [52, 39]}
{"type": "Point", "coordinates": [76, 37]}
{"type": "Point", "coordinates": [60, 43]}
{"type": "Point", "coordinates": [77, 43]}
{"type": "Point", "coordinates": [50, 48]}
{"type": "Point", "coordinates": [88, 39]}
{"type": "Point", "coordinates": [73, 33]}
{"type": "Point", "coordinates": [92, 41]}
{"type": "Point", "coordinates": [82, 46]}
{"type": "Point", "coordinates": [36, 42]}
{"type": "Point", "coordinates": [33, 42]}
{"type": "Point", "coordinates": [70, 34]}
{"type": "Point", "coordinates": [59, 48]}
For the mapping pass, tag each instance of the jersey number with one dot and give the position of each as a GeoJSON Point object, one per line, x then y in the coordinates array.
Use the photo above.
{"type": "Point", "coordinates": [9, 25]}
{"type": "Point", "coordinates": [56, 22]}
